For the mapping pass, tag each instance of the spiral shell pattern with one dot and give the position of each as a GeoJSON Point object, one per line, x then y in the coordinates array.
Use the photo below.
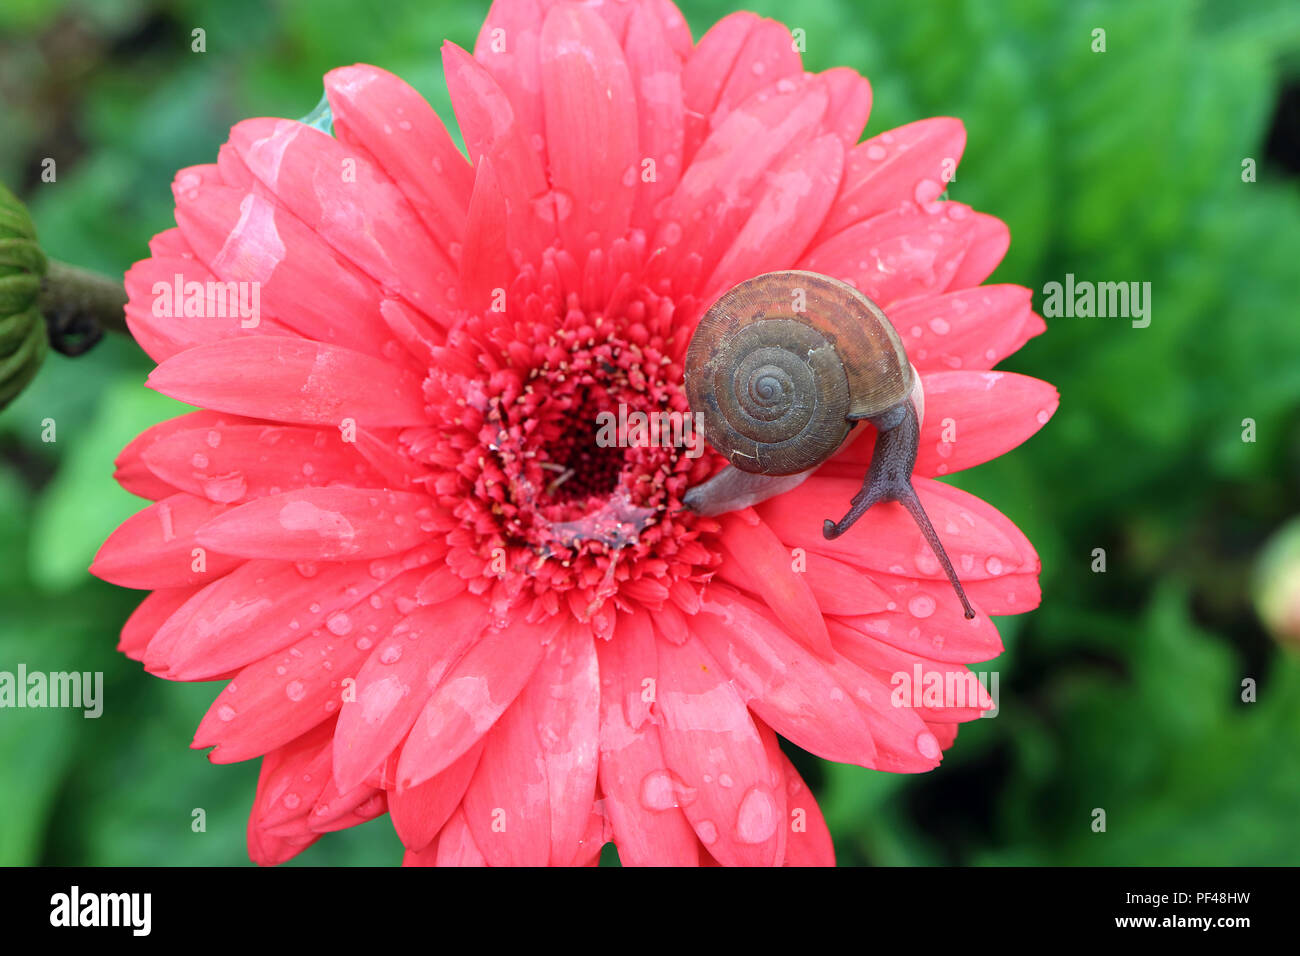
{"type": "Point", "coordinates": [782, 364]}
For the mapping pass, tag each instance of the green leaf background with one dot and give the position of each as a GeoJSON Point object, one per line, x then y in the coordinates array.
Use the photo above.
{"type": "Point", "coordinates": [1122, 692]}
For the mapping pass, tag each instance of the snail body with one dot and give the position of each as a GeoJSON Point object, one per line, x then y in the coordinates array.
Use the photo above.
{"type": "Point", "coordinates": [781, 368]}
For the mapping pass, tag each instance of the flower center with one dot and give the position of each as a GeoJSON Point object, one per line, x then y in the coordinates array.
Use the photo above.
{"type": "Point", "coordinates": [559, 496]}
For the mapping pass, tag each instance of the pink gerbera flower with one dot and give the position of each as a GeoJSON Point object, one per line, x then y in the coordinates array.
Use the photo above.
{"type": "Point", "coordinates": [391, 530]}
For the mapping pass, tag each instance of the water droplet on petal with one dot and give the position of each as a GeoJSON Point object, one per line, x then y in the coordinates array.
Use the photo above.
{"type": "Point", "coordinates": [921, 605]}
{"type": "Point", "coordinates": [756, 820]}
{"type": "Point", "coordinates": [928, 746]}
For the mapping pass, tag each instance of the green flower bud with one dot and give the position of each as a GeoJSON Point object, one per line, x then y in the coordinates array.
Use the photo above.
{"type": "Point", "coordinates": [1277, 584]}
{"type": "Point", "coordinates": [23, 340]}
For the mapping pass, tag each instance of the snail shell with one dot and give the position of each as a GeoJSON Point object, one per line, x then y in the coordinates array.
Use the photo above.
{"type": "Point", "coordinates": [782, 365]}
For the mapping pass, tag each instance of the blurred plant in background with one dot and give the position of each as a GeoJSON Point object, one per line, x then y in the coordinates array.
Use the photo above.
{"type": "Point", "coordinates": [1123, 692]}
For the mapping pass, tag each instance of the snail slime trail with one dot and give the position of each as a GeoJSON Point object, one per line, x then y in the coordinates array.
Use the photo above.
{"type": "Point", "coordinates": [780, 369]}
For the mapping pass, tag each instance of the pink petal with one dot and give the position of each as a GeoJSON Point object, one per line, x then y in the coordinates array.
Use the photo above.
{"type": "Point", "coordinates": [755, 560]}
{"type": "Point", "coordinates": [150, 615]}
{"type": "Point", "coordinates": [508, 47]}
{"type": "Point", "coordinates": [285, 694]}
{"type": "Point", "coordinates": [322, 524]}
{"type": "Point", "coordinates": [904, 744]}
{"type": "Point", "coordinates": [259, 608]}
{"type": "Point", "coordinates": [491, 128]}
{"type": "Point", "coordinates": [486, 270]}
{"type": "Point", "coordinates": [591, 127]}
{"type": "Point", "coordinates": [970, 418]}
{"type": "Point", "coordinates": [131, 471]}
{"type": "Point", "coordinates": [350, 204]}
{"type": "Point", "coordinates": [641, 797]}
{"type": "Point", "coordinates": [563, 698]}
{"type": "Point", "coordinates": [706, 71]}
{"type": "Point", "coordinates": [395, 682]}
{"type": "Point", "coordinates": [292, 380]}
{"type": "Point", "coordinates": [157, 547]}
{"type": "Point", "coordinates": [337, 811]}
{"type": "Point", "coordinates": [841, 588]}
{"type": "Point", "coordinates": [850, 104]}
{"type": "Point", "coordinates": [456, 845]}
{"type": "Point", "coordinates": [788, 210]}
{"type": "Point", "coordinates": [162, 290]}
{"type": "Point", "coordinates": [243, 235]}
{"type": "Point", "coordinates": [656, 73]}
{"type": "Point", "coordinates": [227, 463]}
{"type": "Point", "coordinates": [507, 805]}
{"type": "Point", "coordinates": [420, 812]}
{"type": "Point", "coordinates": [290, 780]}
{"type": "Point", "coordinates": [990, 240]}
{"type": "Point", "coordinates": [713, 200]}
{"type": "Point", "coordinates": [927, 621]}
{"type": "Point", "coordinates": [939, 691]}
{"type": "Point", "coordinates": [809, 841]}
{"type": "Point", "coordinates": [967, 329]}
{"type": "Point", "coordinates": [898, 254]}
{"type": "Point", "coordinates": [781, 682]}
{"type": "Point", "coordinates": [708, 736]}
{"type": "Point", "coordinates": [888, 170]}
{"type": "Point", "coordinates": [981, 542]}
{"type": "Point", "coordinates": [476, 691]}
{"type": "Point", "coordinates": [763, 56]}
{"type": "Point", "coordinates": [376, 110]}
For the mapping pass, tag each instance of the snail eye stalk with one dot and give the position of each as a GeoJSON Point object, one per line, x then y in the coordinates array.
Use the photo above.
{"type": "Point", "coordinates": [890, 479]}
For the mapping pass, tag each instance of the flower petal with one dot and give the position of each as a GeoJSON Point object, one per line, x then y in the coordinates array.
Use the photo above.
{"type": "Point", "coordinates": [656, 73]}
{"type": "Point", "coordinates": [420, 812]}
{"type": "Point", "coordinates": [292, 380]}
{"type": "Point", "coordinates": [379, 112]}
{"type": "Point", "coordinates": [787, 212]}
{"type": "Point", "coordinates": [970, 418]}
{"type": "Point", "coordinates": [227, 463]}
{"type": "Point", "coordinates": [707, 736]}
{"type": "Point", "coordinates": [591, 128]}
{"type": "Point", "coordinates": [781, 682]}
{"type": "Point", "coordinates": [149, 615]}
{"type": "Point", "coordinates": [491, 128]}
{"type": "Point", "coordinates": [641, 799]}
{"type": "Point", "coordinates": [982, 542]}
{"type": "Point", "coordinates": [350, 204]}
{"type": "Point", "coordinates": [285, 694]}
{"type": "Point", "coordinates": [397, 679]}
{"type": "Point", "coordinates": [475, 692]}
{"type": "Point", "coordinates": [322, 524]}
{"type": "Point", "coordinates": [898, 254]}
{"type": "Point", "coordinates": [157, 547]}
{"type": "Point", "coordinates": [259, 608]}
{"type": "Point", "coordinates": [755, 560]}
{"type": "Point", "coordinates": [889, 168]}
{"type": "Point", "coordinates": [967, 329]}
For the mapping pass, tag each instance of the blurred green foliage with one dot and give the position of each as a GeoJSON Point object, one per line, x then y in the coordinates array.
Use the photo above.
{"type": "Point", "coordinates": [1123, 692]}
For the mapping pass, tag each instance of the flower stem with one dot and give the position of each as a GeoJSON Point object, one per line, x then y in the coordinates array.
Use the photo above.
{"type": "Point", "coordinates": [79, 305]}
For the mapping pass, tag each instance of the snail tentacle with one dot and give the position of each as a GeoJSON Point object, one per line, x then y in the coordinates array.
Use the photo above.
{"type": "Point", "coordinates": [890, 479]}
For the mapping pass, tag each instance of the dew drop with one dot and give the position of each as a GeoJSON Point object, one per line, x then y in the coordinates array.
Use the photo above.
{"type": "Point", "coordinates": [928, 746]}
{"type": "Point", "coordinates": [756, 820]}
{"type": "Point", "coordinates": [921, 605]}
{"type": "Point", "coordinates": [294, 690]}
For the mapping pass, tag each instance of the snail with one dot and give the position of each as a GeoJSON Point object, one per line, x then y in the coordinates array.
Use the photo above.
{"type": "Point", "coordinates": [780, 369]}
